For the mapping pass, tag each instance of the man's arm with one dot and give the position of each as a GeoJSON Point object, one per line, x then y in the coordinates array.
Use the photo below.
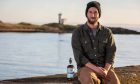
{"type": "Point", "coordinates": [110, 51]}
{"type": "Point", "coordinates": [77, 49]}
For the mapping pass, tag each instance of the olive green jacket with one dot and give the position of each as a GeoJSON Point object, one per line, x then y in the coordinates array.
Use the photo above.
{"type": "Point", "coordinates": [98, 51]}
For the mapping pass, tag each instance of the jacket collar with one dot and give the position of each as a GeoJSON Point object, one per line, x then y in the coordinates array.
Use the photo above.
{"type": "Point", "coordinates": [86, 27]}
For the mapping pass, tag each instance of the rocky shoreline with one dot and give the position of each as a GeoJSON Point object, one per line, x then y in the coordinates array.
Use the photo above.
{"type": "Point", "coordinates": [127, 75]}
{"type": "Point", "coordinates": [53, 28]}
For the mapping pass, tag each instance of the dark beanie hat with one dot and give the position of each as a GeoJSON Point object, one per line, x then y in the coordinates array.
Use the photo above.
{"type": "Point", "coordinates": [93, 4]}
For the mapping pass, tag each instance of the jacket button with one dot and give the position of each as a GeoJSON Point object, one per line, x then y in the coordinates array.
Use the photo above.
{"type": "Point", "coordinates": [93, 41]}
{"type": "Point", "coordinates": [85, 42]}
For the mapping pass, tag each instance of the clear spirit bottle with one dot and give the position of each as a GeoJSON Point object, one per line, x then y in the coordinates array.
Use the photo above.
{"type": "Point", "coordinates": [70, 71]}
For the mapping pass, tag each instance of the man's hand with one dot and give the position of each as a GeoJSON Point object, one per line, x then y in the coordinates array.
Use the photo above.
{"type": "Point", "coordinates": [105, 71]}
{"type": "Point", "coordinates": [98, 70]}
{"type": "Point", "coordinates": [101, 71]}
{"type": "Point", "coordinates": [107, 66]}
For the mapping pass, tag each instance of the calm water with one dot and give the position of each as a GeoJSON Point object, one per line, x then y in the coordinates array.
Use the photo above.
{"type": "Point", "coordinates": [40, 54]}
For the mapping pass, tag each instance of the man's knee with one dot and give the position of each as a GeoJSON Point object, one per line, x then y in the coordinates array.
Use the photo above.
{"type": "Point", "coordinates": [112, 78]}
{"type": "Point", "coordinates": [84, 74]}
{"type": "Point", "coordinates": [87, 76]}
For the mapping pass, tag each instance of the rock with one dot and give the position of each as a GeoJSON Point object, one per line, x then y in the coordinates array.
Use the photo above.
{"type": "Point", "coordinates": [127, 75]}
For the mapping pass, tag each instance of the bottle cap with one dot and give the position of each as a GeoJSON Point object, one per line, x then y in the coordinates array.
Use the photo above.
{"type": "Point", "coordinates": [70, 60]}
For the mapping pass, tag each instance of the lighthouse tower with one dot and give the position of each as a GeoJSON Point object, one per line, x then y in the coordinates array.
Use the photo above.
{"type": "Point", "coordinates": [59, 18]}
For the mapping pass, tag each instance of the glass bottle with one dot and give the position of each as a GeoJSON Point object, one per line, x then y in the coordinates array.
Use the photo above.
{"type": "Point", "coordinates": [70, 71]}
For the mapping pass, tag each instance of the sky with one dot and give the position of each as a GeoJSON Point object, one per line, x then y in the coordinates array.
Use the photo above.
{"type": "Point", "coordinates": [73, 11]}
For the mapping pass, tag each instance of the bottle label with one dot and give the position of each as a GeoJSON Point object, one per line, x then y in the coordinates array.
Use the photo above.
{"type": "Point", "coordinates": [70, 73]}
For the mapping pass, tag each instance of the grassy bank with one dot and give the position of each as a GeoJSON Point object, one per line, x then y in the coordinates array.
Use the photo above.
{"type": "Point", "coordinates": [52, 28]}
{"type": "Point", "coordinates": [27, 27]}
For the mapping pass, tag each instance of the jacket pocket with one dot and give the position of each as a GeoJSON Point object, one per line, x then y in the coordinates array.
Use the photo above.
{"type": "Point", "coordinates": [102, 44]}
{"type": "Point", "coordinates": [86, 45]}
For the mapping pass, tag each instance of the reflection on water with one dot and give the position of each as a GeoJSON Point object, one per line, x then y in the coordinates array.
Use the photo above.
{"type": "Point", "coordinates": [40, 54]}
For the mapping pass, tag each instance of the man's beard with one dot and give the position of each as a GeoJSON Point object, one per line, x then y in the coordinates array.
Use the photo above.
{"type": "Point", "coordinates": [92, 22]}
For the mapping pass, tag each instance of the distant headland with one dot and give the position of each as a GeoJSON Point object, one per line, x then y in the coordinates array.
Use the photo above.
{"type": "Point", "coordinates": [53, 28]}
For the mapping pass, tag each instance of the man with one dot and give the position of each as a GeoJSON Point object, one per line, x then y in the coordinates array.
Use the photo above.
{"type": "Point", "coordinates": [94, 49]}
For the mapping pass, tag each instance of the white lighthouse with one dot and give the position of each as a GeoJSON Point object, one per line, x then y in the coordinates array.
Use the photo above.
{"type": "Point", "coordinates": [60, 19]}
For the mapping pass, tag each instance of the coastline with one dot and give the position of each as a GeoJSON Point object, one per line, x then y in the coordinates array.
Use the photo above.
{"type": "Point", "coordinates": [53, 28]}
{"type": "Point", "coordinates": [126, 74]}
